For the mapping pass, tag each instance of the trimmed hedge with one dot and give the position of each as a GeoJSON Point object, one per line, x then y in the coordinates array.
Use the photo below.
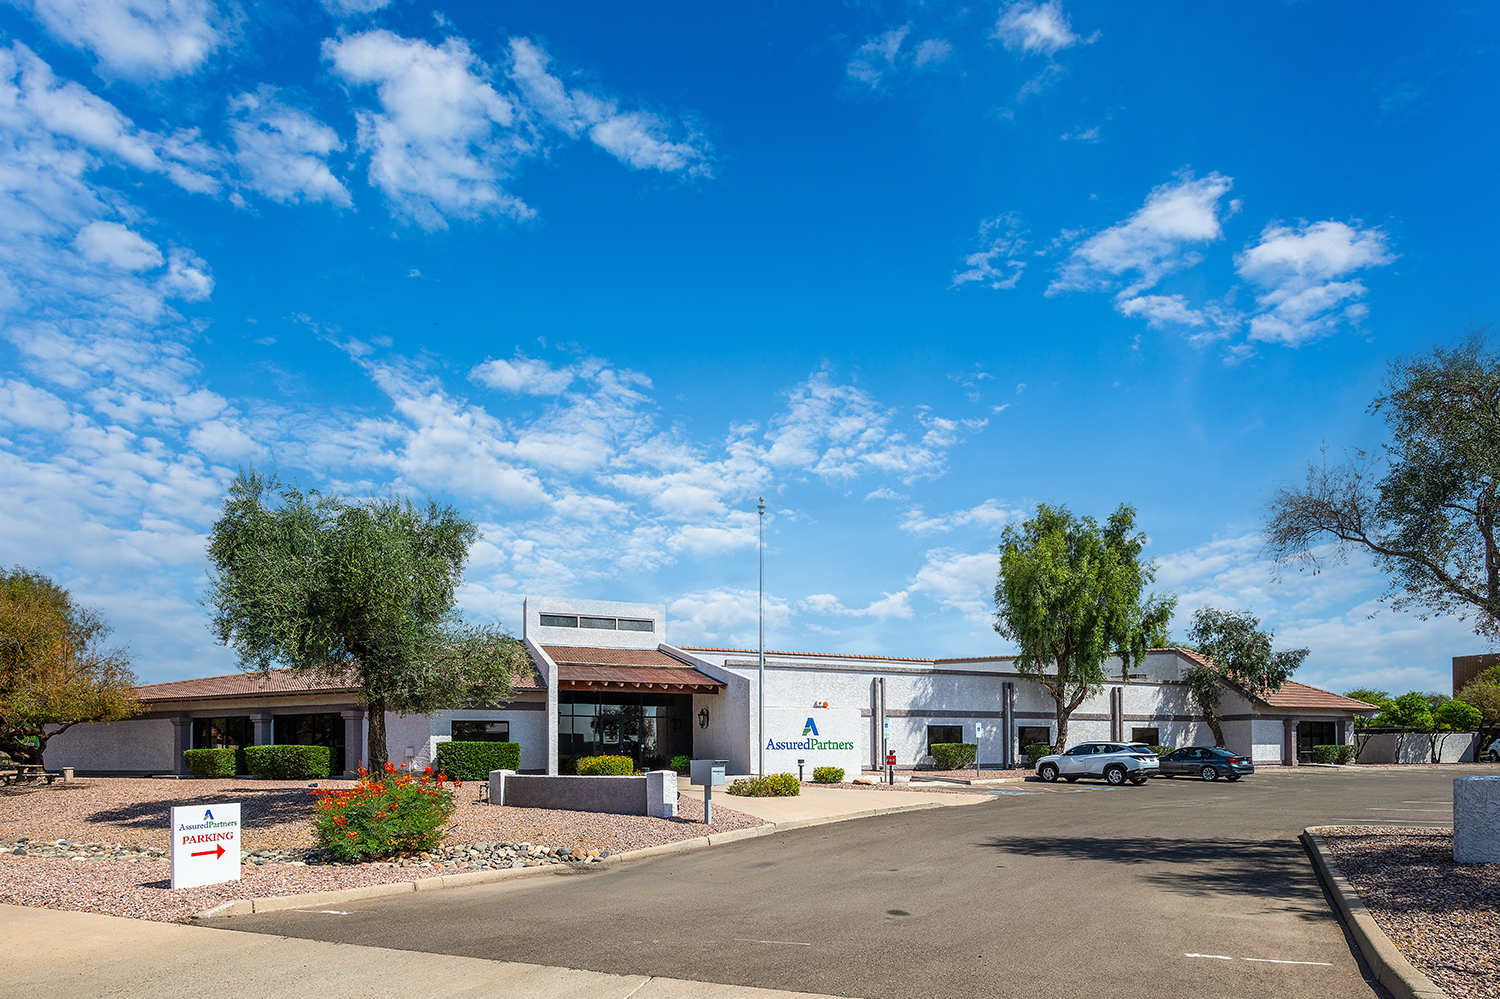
{"type": "Point", "coordinates": [1333, 754]}
{"type": "Point", "coordinates": [682, 764]}
{"type": "Point", "coordinates": [288, 762]}
{"type": "Point", "coordinates": [605, 766]}
{"type": "Point", "coordinates": [475, 760]}
{"type": "Point", "coordinates": [212, 762]}
{"type": "Point", "coordinates": [1036, 751]}
{"type": "Point", "coordinates": [1163, 750]}
{"type": "Point", "coordinates": [953, 755]}
{"type": "Point", "coordinates": [828, 775]}
{"type": "Point", "coordinates": [769, 786]}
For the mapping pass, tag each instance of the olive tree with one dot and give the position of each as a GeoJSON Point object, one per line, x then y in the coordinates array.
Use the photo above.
{"type": "Point", "coordinates": [1427, 510]}
{"type": "Point", "coordinates": [1070, 594]}
{"type": "Point", "coordinates": [1234, 651]}
{"type": "Point", "coordinates": [358, 592]}
{"type": "Point", "coordinates": [1483, 692]}
{"type": "Point", "coordinates": [55, 669]}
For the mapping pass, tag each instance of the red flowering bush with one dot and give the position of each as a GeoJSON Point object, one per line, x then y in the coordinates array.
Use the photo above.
{"type": "Point", "coordinates": [394, 812]}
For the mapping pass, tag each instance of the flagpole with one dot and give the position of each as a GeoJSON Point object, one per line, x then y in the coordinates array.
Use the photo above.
{"type": "Point", "coordinates": [761, 734]}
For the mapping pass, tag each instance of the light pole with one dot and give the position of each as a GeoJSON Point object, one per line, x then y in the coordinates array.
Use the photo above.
{"type": "Point", "coordinates": [761, 733]}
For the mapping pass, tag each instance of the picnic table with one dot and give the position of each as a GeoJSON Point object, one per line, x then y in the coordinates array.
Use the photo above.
{"type": "Point", "coordinates": [29, 773]}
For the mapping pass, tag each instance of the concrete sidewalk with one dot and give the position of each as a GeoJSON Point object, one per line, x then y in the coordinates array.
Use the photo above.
{"type": "Point", "coordinates": [827, 803]}
{"type": "Point", "coordinates": [51, 954]}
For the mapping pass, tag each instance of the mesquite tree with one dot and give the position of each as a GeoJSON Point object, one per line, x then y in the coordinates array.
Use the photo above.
{"type": "Point", "coordinates": [1237, 652]}
{"type": "Point", "coordinates": [55, 671]}
{"type": "Point", "coordinates": [1070, 594]}
{"type": "Point", "coordinates": [1429, 511]}
{"type": "Point", "coordinates": [357, 592]}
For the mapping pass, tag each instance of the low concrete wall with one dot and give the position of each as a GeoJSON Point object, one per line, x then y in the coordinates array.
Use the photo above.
{"type": "Point", "coordinates": [615, 795]}
{"type": "Point", "coordinates": [1413, 747]}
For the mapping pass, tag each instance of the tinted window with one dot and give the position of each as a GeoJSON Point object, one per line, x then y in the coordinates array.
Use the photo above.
{"type": "Point", "coordinates": [1114, 749]}
{"type": "Point", "coordinates": [1181, 754]}
{"type": "Point", "coordinates": [559, 621]}
{"type": "Point", "coordinates": [1079, 751]}
{"type": "Point", "coordinates": [601, 623]}
{"type": "Point", "coordinates": [480, 731]}
{"type": "Point", "coordinates": [627, 625]}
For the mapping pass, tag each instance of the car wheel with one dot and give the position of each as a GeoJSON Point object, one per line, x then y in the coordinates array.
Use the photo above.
{"type": "Point", "coordinates": [1047, 772]}
{"type": "Point", "coordinates": [1115, 775]}
{"type": "Point", "coordinates": [1138, 781]}
{"type": "Point", "coordinates": [1208, 773]}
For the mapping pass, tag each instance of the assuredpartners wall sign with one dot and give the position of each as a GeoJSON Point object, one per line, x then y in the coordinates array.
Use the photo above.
{"type": "Point", "coordinates": [823, 737]}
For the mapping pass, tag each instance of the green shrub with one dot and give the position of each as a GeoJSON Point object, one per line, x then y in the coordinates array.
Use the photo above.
{"type": "Point", "coordinates": [1036, 752]}
{"type": "Point", "coordinates": [682, 764]}
{"type": "Point", "coordinates": [212, 762]}
{"type": "Point", "coordinates": [605, 766]}
{"type": "Point", "coordinates": [769, 786]}
{"type": "Point", "coordinates": [828, 775]}
{"type": "Point", "coordinates": [288, 762]}
{"type": "Point", "coordinates": [1326, 754]}
{"type": "Point", "coordinates": [379, 816]}
{"type": "Point", "coordinates": [1162, 750]}
{"type": "Point", "coordinates": [953, 755]}
{"type": "Point", "coordinates": [475, 760]}
{"type": "Point", "coordinates": [1348, 754]}
{"type": "Point", "coordinates": [567, 766]}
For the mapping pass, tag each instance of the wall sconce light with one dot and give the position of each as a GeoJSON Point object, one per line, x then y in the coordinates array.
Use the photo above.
{"type": "Point", "coordinates": [703, 718]}
{"type": "Point", "coordinates": [820, 704]}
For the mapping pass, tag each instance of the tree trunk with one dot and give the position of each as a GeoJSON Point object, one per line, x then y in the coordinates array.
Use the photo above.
{"type": "Point", "coordinates": [22, 753]}
{"type": "Point", "coordinates": [1210, 716]}
{"type": "Point", "coordinates": [375, 750]}
{"type": "Point", "coordinates": [1062, 725]}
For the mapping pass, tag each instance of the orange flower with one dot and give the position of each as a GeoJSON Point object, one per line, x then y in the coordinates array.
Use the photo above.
{"type": "Point", "coordinates": [352, 835]}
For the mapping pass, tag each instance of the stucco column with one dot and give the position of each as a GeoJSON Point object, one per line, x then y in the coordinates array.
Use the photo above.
{"type": "Point", "coordinates": [354, 740]}
{"type": "Point", "coordinates": [1008, 724]}
{"type": "Point", "coordinates": [1289, 742]}
{"type": "Point", "coordinates": [182, 741]}
{"type": "Point", "coordinates": [1116, 714]}
{"type": "Point", "coordinates": [265, 728]}
{"type": "Point", "coordinates": [1343, 731]}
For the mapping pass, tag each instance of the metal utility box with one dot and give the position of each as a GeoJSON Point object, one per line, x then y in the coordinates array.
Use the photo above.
{"type": "Point", "coordinates": [709, 773]}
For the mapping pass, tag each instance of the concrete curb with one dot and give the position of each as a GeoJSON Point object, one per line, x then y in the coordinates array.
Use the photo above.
{"type": "Point", "coordinates": [1391, 969]}
{"type": "Point", "coordinates": [278, 903]}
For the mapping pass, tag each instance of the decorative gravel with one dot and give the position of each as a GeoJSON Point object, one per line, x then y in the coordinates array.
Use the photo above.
{"type": "Point", "coordinates": [1443, 916]}
{"type": "Point", "coordinates": [97, 845]}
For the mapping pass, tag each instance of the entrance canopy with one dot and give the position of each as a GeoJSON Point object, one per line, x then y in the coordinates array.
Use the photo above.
{"type": "Point", "coordinates": [627, 669]}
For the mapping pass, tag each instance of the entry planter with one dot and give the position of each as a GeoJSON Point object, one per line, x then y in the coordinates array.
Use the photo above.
{"type": "Point", "coordinates": [1476, 820]}
{"type": "Point", "coordinates": [652, 793]}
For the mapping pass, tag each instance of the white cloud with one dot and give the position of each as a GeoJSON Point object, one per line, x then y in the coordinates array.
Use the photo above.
{"type": "Point", "coordinates": [639, 139]}
{"type": "Point", "coordinates": [1035, 28]}
{"type": "Point", "coordinates": [960, 582]}
{"type": "Point", "coordinates": [112, 244]}
{"type": "Point", "coordinates": [989, 515]}
{"type": "Point", "coordinates": [723, 614]}
{"type": "Point", "coordinates": [885, 493]}
{"type": "Point", "coordinates": [1154, 241]}
{"type": "Point", "coordinates": [1163, 310]}
{"type": "Point", "coordinates": [348, 8]}
{"type": "Point", "coordinates": [523, 374]}
{"type": "Point", "coordinates": [999, 263]}
{"type": "Point", "coordinates": [136, 39]}
{"type": "Point", "coordinates": [187, 276]}
{"type": "Point", "coordinates": [931, 51]}
{"type": "Point", "coordinates": [877, 56]}
{"type": "Point", "coordinates": [1298, 269]}
{"type": "Point", "coordinates": [890, 605]}
{"type": "Point", "coordinates": [444, 137]}
{"type": "Point", "coordinates": [282, 151]}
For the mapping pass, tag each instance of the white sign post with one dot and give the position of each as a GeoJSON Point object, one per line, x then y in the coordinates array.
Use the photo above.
{"type": "Point", "coordinates": [205, 844]}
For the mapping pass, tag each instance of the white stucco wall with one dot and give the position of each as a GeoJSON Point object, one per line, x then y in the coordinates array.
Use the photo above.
{"type": "Point", "coordinates": [1412, 747]}
{"type": "Point", "coordinates": [534, 607]}
{"type": "Point", "coordinates": [143, 744]}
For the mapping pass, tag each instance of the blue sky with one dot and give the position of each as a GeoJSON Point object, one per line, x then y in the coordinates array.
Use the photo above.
{"type": "Point", "coordinates": [600, 276]}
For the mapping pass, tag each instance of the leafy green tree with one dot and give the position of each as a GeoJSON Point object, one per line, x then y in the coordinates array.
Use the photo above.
{"type": "Point", "coordinates": [1449, 717]}
{"type": "Point", "coordinates": [359, 592]}
{"type": "Point", "coordinates": [1237, 653]}
{"type": "Point", "coordinates": [1411, 710]}
{"type": "Point", "coordinates": [1483, 692]}
{"type": "Point", "coordinates": [1070, 594]}
{"type": "Point", "coordinates": [1375, 698]}
{"type": "Point", "coordinates": [1364, 726]}
{"type": "Point", "coordinates": [1431, 521]}
{"type": "Point", "coordinates": [55, 671]}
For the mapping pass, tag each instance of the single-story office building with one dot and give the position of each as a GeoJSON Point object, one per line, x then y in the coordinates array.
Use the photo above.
{"type": "Point", "coordinates": [607, 681]}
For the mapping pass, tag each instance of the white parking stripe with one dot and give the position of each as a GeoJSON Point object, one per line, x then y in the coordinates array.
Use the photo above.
{"type": "Point", "coordinates": [783, 943]}
{"type": "Point", "coordinates": [1411, 809]}
{"type": "Point", "coordinates": [1216, 957]}
{"type": "Point", "coordinates": [1271, 960]}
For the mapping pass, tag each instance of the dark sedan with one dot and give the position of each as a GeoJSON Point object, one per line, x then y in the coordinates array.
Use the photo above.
{"type": "Point", "coordinates": [1206, 762]}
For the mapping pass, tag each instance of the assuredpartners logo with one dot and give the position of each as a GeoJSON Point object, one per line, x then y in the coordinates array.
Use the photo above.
{"type": "Point", "coordinates": [809, 741]}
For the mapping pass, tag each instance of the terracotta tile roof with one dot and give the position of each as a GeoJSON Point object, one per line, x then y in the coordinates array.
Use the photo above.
{"type": "Point", "coordinates": [1300, 696]}
{"type": "Point", "coordinates": [610, 657]}
{"type": "Point", "coordinates": [277, 682]}
{"type": "Point", "coordinates": [634, 677]}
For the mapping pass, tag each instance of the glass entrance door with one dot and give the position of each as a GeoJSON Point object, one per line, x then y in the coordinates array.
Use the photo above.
{"type": "Point", "coordinates": [648, 728]}
{"type": "Point", "coordinates": [1310, 734]}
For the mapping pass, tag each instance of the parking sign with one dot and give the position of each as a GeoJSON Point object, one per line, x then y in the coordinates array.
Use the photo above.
{"type": "Point", "coordinates": [205, 844]}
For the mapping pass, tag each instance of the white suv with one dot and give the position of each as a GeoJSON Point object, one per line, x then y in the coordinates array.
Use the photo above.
{"type": "Point", "coordinates": [1116, 762]}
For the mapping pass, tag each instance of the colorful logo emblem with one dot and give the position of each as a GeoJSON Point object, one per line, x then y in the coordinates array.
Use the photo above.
{"type": "Point", "coordinates": [811, 728]}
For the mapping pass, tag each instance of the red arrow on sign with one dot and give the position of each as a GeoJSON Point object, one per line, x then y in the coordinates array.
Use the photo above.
{"type": "Point", "coordinates": [216, 852]}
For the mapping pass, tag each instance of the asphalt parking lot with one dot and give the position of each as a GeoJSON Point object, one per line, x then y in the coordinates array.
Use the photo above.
{"type": "Point", "coordinates": [1178, 888]}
